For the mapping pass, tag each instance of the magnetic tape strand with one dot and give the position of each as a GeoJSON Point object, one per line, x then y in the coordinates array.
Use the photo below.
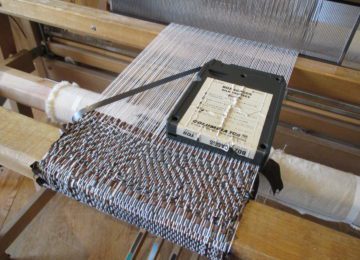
{"type": "Point", "coordinates": [78, 115]}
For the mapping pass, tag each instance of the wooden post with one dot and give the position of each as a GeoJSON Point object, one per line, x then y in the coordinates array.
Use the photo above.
{"type": "Point", "coordinates": [7, 44]}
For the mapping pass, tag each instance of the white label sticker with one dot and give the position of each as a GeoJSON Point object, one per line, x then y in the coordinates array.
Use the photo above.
{"type": "Point", "coordinates": [225, 115]}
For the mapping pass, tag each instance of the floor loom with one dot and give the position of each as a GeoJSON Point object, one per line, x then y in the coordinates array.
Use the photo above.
{"type": "Point", "coordinates": [17, 153]}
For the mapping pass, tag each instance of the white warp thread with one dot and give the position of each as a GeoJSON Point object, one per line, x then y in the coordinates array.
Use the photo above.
{"type": "Point", "coordinates": [284, 23]}
{"type": "Point", "coordinates": [176, 49]}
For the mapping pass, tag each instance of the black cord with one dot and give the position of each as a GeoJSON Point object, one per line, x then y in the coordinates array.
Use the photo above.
{"type": "Point", "coordinates": [78, 115]}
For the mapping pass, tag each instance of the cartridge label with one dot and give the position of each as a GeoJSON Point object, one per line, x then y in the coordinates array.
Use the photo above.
{"type": "Point", "coordinates": [226, 115]}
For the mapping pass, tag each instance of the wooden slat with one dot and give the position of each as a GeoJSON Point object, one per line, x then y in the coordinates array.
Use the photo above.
{"type": "Point", "coordinates": [320, 122]}
{"type": "Point", "coordinates": [267, 233]}
{"type": "Point", "coordinates": [100, 51]}
{"type": "Point", "coordinates": [316, 149]}
{"type": "Point", "coordinates": [23, 140]}
{"type": "Point", "coordinates": [81, 19]}
{"type": "Point", "coordinates": [328, 80]}
{"type": "Point", "coordinates": [263, 232]}
{"type": "Point", "coordinates": [320, 112]}
{"type": "Point", "coordinates": [101, 4]}
{"type": "Point", "coordinates": [9, 184]}
{"type": "Point", "coordinates": [89, 58]}
{"type": "Point", "coordinates": [86, 78]}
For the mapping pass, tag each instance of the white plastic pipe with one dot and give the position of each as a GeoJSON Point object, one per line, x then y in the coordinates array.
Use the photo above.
{"type": "Point", "coordinates": [24, 88]}
{"type": "Point", "coordinates": [65, 99]}
{"type": "Point", "coordinates": [315, 189]}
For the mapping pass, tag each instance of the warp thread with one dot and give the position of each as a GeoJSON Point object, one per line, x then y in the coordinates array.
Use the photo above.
{"type": "Point", "coordinates": [318, 28]}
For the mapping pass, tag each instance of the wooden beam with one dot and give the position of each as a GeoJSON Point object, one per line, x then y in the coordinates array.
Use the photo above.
{"type": "Point", "coordinates": [97, 50]}
{"type": "Point", "coordinates": [23, 140]}
{"type": "Point", "coordinates": [88, 57]}
{"type": "Point", "coordinates": [317, 149]}
{"type": "Point", "coordinates": [268, 233]}
{"type": "Point", "coordinates": [102, 24]}
{"type": "Point", "coordinates": [263, 232]}
{"type": "Point", "coordinates": [87, 78]}
{"type": "Point", "coordinates": [327, 80]}
{"type": "Point", "coordinates": [320, 122]}
{"type": "Point", "coordinates": [313, 76]}
{"type": "Point", "coordinates": [92, 3]}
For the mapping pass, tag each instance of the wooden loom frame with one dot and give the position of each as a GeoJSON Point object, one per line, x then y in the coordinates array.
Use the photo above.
{"type": "Point", "coordinates": [295, 237]}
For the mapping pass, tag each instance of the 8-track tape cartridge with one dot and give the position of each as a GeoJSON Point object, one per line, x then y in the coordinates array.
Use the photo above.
{"type": "Point", "coordinates": [231, 109]}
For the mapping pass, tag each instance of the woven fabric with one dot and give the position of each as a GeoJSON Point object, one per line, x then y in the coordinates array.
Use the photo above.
{"type": "Point", "coordinates": [187, 195]}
